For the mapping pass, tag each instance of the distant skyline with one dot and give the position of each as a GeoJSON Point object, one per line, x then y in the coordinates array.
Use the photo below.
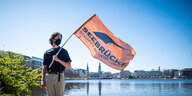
{"type": "Point", "coordinates": [160, 31]}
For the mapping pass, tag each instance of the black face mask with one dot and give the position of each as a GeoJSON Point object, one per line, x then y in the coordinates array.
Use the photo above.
{"type": "Point", "coordinates": [57, 42]}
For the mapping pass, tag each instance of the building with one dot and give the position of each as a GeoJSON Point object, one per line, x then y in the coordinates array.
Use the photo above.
{"type": "Point", "coordinates": [37, 62]}
{"type": "Point", "coordinates": [170, 73]}
{"type": "Point", "coordinates": [139, 73]}
{"type": "Point", "coordinates": [125, 74]}
{"type": "Point", "coordinates": [115, 76]}
{"type": "Point", "coordinates": [106, 75]}
{"type": "Point", "coordinates": [174, 73]}
{"type": "Point", "coordinates": [95, 74]}
{"type": "Point", "coordinates": [28, 60]}
{"type": "Point", "coordinates": [81, 71]}
{"type": "Point", "coordinates": [186, 73]}
{"type": "Point", "coordinates": [166, 73]}
{"type": "Point", "coordinates": [155, 74]}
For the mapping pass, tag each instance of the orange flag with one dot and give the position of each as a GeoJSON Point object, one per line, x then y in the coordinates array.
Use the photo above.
{"type": "Point", "coordinates": [103, 45]}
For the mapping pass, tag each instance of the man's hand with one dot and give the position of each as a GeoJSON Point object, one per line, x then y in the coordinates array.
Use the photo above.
{"type": "Point", "coordinates": [55, 58]}
{"type": "Point", "coordinates": [66, 64]}
{"type": "Point", "coordinates": [43, 76]}
{"type": "Point", "coordinates": [43, 84]}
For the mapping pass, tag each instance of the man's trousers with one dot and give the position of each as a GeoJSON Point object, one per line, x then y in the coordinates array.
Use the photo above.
{"type": "Point", "coordinates": [53, 86]}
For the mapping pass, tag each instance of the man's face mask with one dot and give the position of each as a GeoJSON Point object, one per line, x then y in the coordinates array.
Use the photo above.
{"type": "Point", "coordinates": [57, 42]}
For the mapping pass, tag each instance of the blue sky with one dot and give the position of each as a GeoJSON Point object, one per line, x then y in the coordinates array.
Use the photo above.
{"type": "Point", "coordinates": [160, 31]}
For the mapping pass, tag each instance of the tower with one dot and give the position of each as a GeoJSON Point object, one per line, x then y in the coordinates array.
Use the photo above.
{"type": "Point", "coordinates": [87, 68]}
{"type": "Point", "coordinates": [159, 68]}
{"type": "Point", "coordinates": [99, 69]}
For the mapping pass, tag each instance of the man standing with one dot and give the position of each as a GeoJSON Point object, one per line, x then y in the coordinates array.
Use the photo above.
{"type": "Point", "coordinates": [53, 78]}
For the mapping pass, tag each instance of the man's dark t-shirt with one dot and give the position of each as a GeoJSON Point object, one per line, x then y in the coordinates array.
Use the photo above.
{"type": "Point", "coordinates": [56, 66]}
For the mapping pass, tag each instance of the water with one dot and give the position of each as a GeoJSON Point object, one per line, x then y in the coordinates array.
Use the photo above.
{"type": "Point", "coordinates": [130, 87]}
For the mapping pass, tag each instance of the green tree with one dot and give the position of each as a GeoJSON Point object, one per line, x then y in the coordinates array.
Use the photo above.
{"type": "Point", "coordinates": [15, 76]}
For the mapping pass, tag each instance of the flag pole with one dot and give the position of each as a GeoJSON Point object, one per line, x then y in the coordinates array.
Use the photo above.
{"type": "Point", "coordinates": [60, 50]}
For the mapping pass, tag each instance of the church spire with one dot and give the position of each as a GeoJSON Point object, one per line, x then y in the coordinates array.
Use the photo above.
{"type": "Point", "coordinates": [99, 69]}
{"type": "Point", "coordinates": [87, 68]}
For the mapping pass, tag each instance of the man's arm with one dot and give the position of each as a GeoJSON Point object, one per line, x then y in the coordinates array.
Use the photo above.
{"type": "Point", "coordinates": [66, 64]}
{"type": "Point", "coordinates": [43, 76]}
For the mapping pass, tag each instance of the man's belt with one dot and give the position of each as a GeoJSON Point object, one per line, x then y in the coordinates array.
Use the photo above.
{"type": "Point", "coordinates": [56, 73]}
{"type": "Point", "coordinates": [53, 72]}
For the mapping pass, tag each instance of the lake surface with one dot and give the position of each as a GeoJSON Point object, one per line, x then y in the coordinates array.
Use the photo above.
{"type": "Point", "coordinates": [129, 87]}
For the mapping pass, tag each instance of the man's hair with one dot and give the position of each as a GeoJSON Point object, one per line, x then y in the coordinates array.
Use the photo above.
{"type": "Point", "coordinates": [53, 37]}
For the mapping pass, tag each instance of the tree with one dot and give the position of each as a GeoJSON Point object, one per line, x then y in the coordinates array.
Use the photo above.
{"type": "Point", "coordinates": [16, 78]}
{"type": "Point", "coordinates": [70, 73]}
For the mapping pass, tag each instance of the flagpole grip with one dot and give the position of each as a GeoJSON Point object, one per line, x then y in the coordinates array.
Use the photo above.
{"type": "Point", "coordinates": [60, 50]}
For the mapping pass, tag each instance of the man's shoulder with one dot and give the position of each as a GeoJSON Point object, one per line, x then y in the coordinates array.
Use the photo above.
{"type": "Point", "coordinates": [49, 51]}
{"type": "Point", "coordinates": [64, 50]}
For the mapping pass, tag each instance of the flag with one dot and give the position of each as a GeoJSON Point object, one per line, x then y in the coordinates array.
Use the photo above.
{"type": "Point", "coordinates": [103, 45]}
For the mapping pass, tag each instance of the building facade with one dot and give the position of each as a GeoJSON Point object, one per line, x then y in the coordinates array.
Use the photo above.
{"type": "Point", "coordinates": [139, 73]}
{"type": "Point", "coordinates": [125, 74]}
{"type": "Point", "coordinates": [186, 73]}
{"type": "Point", "coordinates": [37, 62]}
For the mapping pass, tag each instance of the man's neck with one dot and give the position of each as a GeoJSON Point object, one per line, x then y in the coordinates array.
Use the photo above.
{"type": "Point", "coordinates": [55, 46]}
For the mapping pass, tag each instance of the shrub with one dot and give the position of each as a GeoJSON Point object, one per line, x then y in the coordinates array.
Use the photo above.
{"type": "Point", "coordinates": [15, 76]}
